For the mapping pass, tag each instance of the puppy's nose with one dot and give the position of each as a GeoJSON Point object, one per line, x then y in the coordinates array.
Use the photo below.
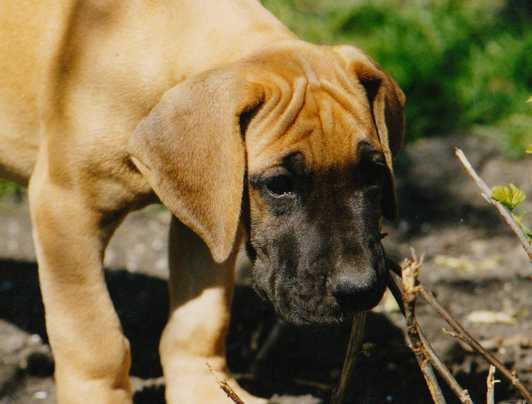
{"type": "Point", "coordinates": [357, 291]}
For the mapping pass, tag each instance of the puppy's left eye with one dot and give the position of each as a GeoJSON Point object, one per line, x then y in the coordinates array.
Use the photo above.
{"type": "Point", "coordinates": [280, 186]}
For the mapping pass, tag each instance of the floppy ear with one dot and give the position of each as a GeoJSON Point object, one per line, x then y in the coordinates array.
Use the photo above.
{"type": "Point", "coordinates": [386, 101]}
{"type": "Point", "coordinates": [191, 151]}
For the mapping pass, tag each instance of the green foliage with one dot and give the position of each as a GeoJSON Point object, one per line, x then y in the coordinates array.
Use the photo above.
{"type": "Point", "coordinates": [462, 64]}
{"type": "Point", "coordinates": [8, 188]}
{"type": "Point", "coordinates": [509, 195]}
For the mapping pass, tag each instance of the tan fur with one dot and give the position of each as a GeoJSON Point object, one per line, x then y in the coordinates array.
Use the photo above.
{"type": "Point", "coordinates": [83, 123]}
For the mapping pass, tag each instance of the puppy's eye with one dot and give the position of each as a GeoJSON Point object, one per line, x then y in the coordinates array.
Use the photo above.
{"type": "Point", "coordinates": [374, 169]}
{"type": "Point", "coordinates": [280, 186]}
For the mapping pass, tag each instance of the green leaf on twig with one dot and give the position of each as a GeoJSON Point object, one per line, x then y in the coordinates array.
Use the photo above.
{"type": "Point", "coordinates": [509, 195]}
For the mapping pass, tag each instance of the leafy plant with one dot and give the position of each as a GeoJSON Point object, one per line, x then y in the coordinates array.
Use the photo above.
{"type": "Point", "coordinates": [509, 195]}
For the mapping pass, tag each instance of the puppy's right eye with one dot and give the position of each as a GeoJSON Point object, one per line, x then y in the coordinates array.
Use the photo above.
{"type": "Point", "coordinates": [279, 186]}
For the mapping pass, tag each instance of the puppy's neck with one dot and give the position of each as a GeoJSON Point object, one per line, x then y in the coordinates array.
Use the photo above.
{"type": "Point", "coordinates": [229, 29]}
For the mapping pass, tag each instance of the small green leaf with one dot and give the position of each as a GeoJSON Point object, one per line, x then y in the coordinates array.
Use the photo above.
{"type": "Point", "coordinates": [529, 99]}
{"type": "Point", "coordinates": [529, 149]}
{"type": "Point", "coordinates": [509, 195]}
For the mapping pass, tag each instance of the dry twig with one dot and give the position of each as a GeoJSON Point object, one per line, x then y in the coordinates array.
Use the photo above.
{"type": "Point", "coordinates": [227, 389]}
{"type": "Point", "coordinates": [486, 194]}
{"type": "Point", "coordinates": [445, 373]}
{"type": "Point", "coordinates": [463, 344]}
{"type": "Point", "coordinates": [464, 336]}
{"type": "Point", "coordinates": [353, 349]}
{"type": "Point", "coordinates": [462, 394]}
{"type": "Point", "coordinates": [490, 382]}
{"type": "Point", "coordinates": [410, 272]}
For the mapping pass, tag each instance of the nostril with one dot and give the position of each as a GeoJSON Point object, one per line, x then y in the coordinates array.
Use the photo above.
{"type": "Point", "coordinates": [356, 292]}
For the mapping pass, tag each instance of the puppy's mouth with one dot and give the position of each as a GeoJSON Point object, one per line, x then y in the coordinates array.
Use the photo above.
{"type": "Point", "coordinates": [301, 313]}
{"type": "Point", "coordinates": [313, 304]}
{"type": "Point", "coordinates": [302, 308]}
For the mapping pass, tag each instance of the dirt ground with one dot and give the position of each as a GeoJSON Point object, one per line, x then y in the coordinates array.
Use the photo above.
{"type": "Point", "coordinates": [472, 263]}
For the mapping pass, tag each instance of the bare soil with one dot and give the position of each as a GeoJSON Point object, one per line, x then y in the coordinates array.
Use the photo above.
{"type": "Point", "coordinates": [472, 263]}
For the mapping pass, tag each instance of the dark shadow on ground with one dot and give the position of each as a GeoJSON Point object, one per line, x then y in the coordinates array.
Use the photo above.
{"type": "Point", "coordinates": [300, 361]}
{"type": "Point", "coordinates": [141, 302]}
{"type": "Point", "coordinates": [434, 189]}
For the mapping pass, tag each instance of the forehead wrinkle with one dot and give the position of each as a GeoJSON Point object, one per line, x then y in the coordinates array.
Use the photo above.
{"type": "Point", "coordinates": [339, 133]}
{"type": "Point", "coordinates": [327, 125]}
{"type": "Point", "coordinates": [325, 120]}
{"type": "Point", "coordinates": [345, 78]}
{"type": "Point", "coordinates": [279, 87]}
{"type": "Point", "coordinates": [302, 142]}
{"type": "Point", "coordinates": [293, 108]}
{"type": "Point", "coordinates": [309, 131]}
{"type": "Point", "coordinates": [356, 115]}
{"type": "Point", "coordinates": [310, 73]}
{"type": "Point", "coordinates": [280, 118]}
{"type": "Point", "coordinates": [272, 96]}
{"type": "Point", "coordinates": [345, 99]}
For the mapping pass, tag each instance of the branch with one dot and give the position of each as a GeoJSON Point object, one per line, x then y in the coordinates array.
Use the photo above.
{"type": "Point", "coordinates": [227, 389]}
{"type": "Point", "coordinates": [490, 382]}
{"type": "Point", "coordinates": [464, 336]}
{"type": "Point", "coordinates": [462, 394]}
{"type": "Point", "coordinates": [353, 348]}
{"type": "Point", "coordinates": [445, 373]}
{"type": "Point", "coordinates": [410, 272]}
{"type": "Point", "coordinates": [486, 194]}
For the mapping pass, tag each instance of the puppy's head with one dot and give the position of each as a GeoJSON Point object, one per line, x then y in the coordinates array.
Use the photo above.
{"type": "Point", "coordinates": [295, 143]}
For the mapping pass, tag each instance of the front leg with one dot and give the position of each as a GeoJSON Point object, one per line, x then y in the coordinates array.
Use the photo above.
{"type": "Point", "coordinates": [194, 338]}
{"type": "Point", "coordinates": [92, 357]}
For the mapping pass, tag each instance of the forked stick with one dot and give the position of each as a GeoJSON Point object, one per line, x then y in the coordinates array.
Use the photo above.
{"type": "Point", "coordinates": [461, 334]}
{"type": "Point", "coordinates": [445, 373]}
{"type": "Point", "coordinates": [410, 272]}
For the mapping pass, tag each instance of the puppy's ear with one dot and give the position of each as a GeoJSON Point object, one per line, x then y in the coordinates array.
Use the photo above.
{"type": "Point", "coordinates": [386, 101]}
{"type": "Point", "coordinates": [191, 151]}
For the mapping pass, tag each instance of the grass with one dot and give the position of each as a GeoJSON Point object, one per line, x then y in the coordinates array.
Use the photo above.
{"type": "Point", "coordinates": [7, 188]}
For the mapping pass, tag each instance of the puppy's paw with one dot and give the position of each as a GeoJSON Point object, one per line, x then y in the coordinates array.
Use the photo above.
{"type": "Point", "coordinates": [205, 381]}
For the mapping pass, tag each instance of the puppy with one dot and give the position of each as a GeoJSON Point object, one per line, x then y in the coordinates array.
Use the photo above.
{"type": "Point", "coordinates": [242, 130]}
